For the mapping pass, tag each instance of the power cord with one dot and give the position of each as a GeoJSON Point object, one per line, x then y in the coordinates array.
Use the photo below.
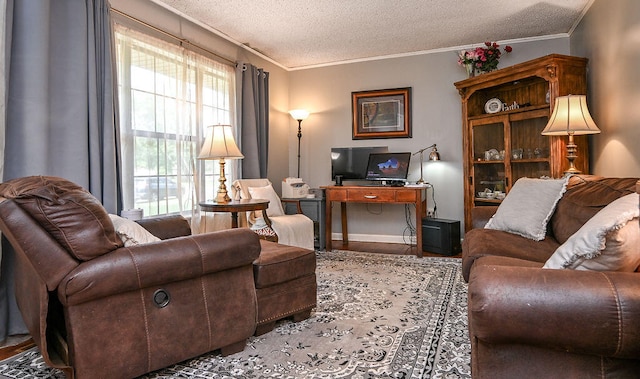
{"type": "Point", "coordinates": [410, 230]}
{"type": "Point", "coordinates": [433, 197]}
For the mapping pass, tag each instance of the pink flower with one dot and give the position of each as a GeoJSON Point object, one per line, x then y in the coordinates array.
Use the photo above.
{"type": "Point", "coordinates": [484, 58]}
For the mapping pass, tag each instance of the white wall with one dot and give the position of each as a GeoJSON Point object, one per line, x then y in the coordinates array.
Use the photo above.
{"type": "Point", "coordinates": [610, 37]}
{"type": "Point", "coordinates": [326, 92]}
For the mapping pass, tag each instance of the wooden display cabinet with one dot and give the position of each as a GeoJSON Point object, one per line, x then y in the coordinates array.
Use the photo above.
{"type": "Point", "coordinates": [501, 147]}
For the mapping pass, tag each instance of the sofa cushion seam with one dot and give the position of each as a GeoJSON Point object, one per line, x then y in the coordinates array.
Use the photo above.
{"type": "Point", "coordinates": [618, 313]}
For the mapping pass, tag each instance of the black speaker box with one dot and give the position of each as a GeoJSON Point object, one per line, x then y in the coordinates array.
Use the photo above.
{"type": "Point", "coordinates": [441, 236]}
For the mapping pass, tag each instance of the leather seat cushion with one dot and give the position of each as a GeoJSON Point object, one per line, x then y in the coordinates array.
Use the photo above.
{"type": "Point", "coordinates": [281, 263]}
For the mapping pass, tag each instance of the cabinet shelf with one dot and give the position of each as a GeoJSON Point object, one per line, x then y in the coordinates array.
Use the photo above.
{"type": "Point", "coordinates": [514, 111]}
{"type": "Point", "coordinates": [533, 86]}
{"type": "Point", "coordinates": [488, 201]}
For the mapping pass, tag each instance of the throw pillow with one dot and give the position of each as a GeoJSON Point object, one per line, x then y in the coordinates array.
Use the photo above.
{"type": "Point", "coordinates": [268, 193]}
{"type": "Point", "coordinates": [130, 232]}
{"type": "Point", "coordinates": [609, 241]}
{"type": "Point", "coordinates": [528, 207]}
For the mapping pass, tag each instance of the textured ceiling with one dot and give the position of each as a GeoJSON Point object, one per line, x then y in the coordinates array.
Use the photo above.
{"type": "Point", "coordinates": [302, 33]}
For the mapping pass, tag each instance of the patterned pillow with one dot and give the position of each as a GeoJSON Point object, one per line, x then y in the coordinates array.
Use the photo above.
{"type": "Point", "coordinates": [267, 232]}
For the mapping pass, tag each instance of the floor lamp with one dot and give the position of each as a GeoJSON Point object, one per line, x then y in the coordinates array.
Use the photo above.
{"type": "Point", "coordinates": [570, 117]}
{"type": "Point", "coordinates": [299, 114]}
{"type": "Point", "coordinates": [433, 156]}
{"type": "Point", "coordinates": [220, 144]}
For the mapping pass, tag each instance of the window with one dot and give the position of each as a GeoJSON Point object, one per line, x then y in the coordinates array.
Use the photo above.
{"type": "Point", "coordinates": [168, 95]}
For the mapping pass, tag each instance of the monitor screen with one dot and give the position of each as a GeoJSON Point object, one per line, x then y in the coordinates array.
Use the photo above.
{"type": "Point", "coordinates": [351, 162]}
{"type": "Point", "coordinates": [388, 166]}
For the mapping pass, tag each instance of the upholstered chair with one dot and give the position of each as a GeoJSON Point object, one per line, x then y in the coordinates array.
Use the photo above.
{"type": "Point", "coordinates": [102, 302]}
{"type": "Point", "coordinates": [292, 230]}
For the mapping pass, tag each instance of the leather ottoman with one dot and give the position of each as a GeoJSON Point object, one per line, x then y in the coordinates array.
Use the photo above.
{"type": "Point", "coordinates": [285, 280]}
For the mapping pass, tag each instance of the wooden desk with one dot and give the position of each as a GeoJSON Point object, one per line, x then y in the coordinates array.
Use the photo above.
{"type": "Point", "coordinates": [235, 206]}
{"type": "Point", "coordinates": [366, 194]}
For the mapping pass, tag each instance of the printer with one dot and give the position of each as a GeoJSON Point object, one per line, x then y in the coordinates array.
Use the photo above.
{"type": "Point", "coordinates": [294, 188]}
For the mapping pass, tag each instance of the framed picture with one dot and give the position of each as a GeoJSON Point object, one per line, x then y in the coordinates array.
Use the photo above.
{"type": "Point", "coordinates": [382, 113]}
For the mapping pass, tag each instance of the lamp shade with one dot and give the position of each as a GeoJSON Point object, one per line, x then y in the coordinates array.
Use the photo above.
{"type": "Point", "coordinates": [434, 155]}
{"type": "Point", "coordinates": [219, 143]}
{"type": "Point", "coordinates": [299, 114]}
{"type": "Point", "coordinates": [570, 116]}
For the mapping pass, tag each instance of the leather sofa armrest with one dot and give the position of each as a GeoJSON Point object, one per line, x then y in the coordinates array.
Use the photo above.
{"type": "Point", "coordinates": [154, 264]}
{"type": "Point", "coordinates": [584, 312]}
{"type": "Point", "coordinates": [166, 227]}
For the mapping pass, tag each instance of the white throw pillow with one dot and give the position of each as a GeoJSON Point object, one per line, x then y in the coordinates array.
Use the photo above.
{"type": "Point", "coordinates": [609, 241]}
{"type": "Point", "coordinates": [528, 207]}
{"type": "Point", "coordinates": [130, 232]}
{"type": "Point", "coordinates": [268, 193]}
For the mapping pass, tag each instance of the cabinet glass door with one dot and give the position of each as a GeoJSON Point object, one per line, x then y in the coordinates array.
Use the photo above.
{"type": "Point", "coordinates": [488, 143]}
{"type": "Point", "coordinates": [529, 150]}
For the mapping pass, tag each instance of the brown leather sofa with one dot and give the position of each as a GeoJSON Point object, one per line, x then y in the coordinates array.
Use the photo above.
{"type": "Point", "coordinates": [530, 322]}
{"type": "Point", "coordinates": [97, 309]}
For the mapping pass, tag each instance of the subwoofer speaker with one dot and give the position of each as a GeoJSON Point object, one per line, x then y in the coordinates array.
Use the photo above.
{"type": "Point", "coordinates": [441, 236]}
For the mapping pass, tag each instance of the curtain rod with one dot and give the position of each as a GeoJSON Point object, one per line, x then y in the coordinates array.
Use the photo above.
{"type": "Point", "coordinates": [182, 40]}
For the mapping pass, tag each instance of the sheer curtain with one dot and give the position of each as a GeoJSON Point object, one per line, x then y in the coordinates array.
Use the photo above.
{"type": "Point", "coordinates": [169, 95]}
{"type": "Point", "coordinates": [254, 120]}
{"type": "Point", "coordinates": [60, 107]}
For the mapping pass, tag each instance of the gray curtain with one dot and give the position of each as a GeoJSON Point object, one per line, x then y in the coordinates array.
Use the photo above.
{"type": "Point", "coordinates": [61, 114]}
{"type": "Point", "coordinates": [254, 120]}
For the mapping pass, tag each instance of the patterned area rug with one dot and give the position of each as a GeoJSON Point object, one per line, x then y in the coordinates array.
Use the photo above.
{"type": "Point", "coordinates": [378, 316]}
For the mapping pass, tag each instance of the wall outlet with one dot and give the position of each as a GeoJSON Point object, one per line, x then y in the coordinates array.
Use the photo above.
{"type": "Point", "coordinates": [429, 212]}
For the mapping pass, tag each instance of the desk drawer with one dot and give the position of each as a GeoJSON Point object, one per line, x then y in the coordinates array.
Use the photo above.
{"type": "Point", "coordinates": [370, 196]}
{"type": "Point", "coordinates": [407, 195]}
{"type": "Point", "coordinates": [337, 195]}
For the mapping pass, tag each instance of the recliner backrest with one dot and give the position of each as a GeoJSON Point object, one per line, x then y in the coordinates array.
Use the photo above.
{"type": "Point", "coordinates": [70, 214]}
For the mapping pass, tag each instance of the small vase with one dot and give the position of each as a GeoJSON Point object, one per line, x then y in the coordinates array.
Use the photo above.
{"type": "Point", "coordinates": [471, 72]}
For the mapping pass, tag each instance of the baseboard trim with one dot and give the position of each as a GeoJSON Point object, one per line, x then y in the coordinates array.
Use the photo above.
{"type": "Point", "coordinates": [382, 238]}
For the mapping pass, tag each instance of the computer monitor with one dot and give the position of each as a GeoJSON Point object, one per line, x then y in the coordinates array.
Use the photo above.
{"type": "Point", "coordinates": [351, 162]}
{"type": "Point", "coordinates": [391, 167]}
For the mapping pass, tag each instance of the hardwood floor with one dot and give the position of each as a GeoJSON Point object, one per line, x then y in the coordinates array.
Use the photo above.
{"type": "Point", "coordinates": [383, 248]}
{"type": "Point", "coordinates": [15, 345]}
{"type": "Point", "coordinates": [371, 247]}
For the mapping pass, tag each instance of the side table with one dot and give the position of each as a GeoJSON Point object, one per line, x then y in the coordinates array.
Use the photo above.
{"type": "Point", "coordinates": [235, 206]}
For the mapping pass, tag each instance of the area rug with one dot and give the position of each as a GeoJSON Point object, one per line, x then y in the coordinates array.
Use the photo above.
{"type": "Point", "coordinates": [378, 316]}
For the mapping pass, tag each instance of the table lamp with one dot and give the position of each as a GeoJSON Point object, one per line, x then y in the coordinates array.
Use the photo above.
{"type": "Point", "coordinates": [299, 114]}
{"type": "Point", "coordinates": [433, 156]}
{"type": "Point", "coordinates": [220, 144]}
{"type": "Point", "coordinates": [570, 117]}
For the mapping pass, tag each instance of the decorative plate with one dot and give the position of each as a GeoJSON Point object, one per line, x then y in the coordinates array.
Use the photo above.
{"type": "Point", "coordinates": [493, 105]}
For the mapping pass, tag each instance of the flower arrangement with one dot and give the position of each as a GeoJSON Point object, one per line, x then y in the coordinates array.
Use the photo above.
{"type": "Point", "coordinates": [482, 59]}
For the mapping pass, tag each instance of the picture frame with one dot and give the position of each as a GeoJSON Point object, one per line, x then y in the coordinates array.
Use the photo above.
{"type": "Point", "coordinates": [381, 113]}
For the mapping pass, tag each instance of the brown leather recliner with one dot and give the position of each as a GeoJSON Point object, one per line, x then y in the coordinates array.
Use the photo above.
{"type": "Point", "coordinates": [97, 309]}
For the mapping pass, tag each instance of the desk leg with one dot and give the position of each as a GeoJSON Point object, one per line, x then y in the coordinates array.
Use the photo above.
{"type": "Point", "coordinates": [234, 220]}
{"type": "Point", "coordinates": [343, 221]}
{"type": "Point", "coordinates": [327, 225]}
